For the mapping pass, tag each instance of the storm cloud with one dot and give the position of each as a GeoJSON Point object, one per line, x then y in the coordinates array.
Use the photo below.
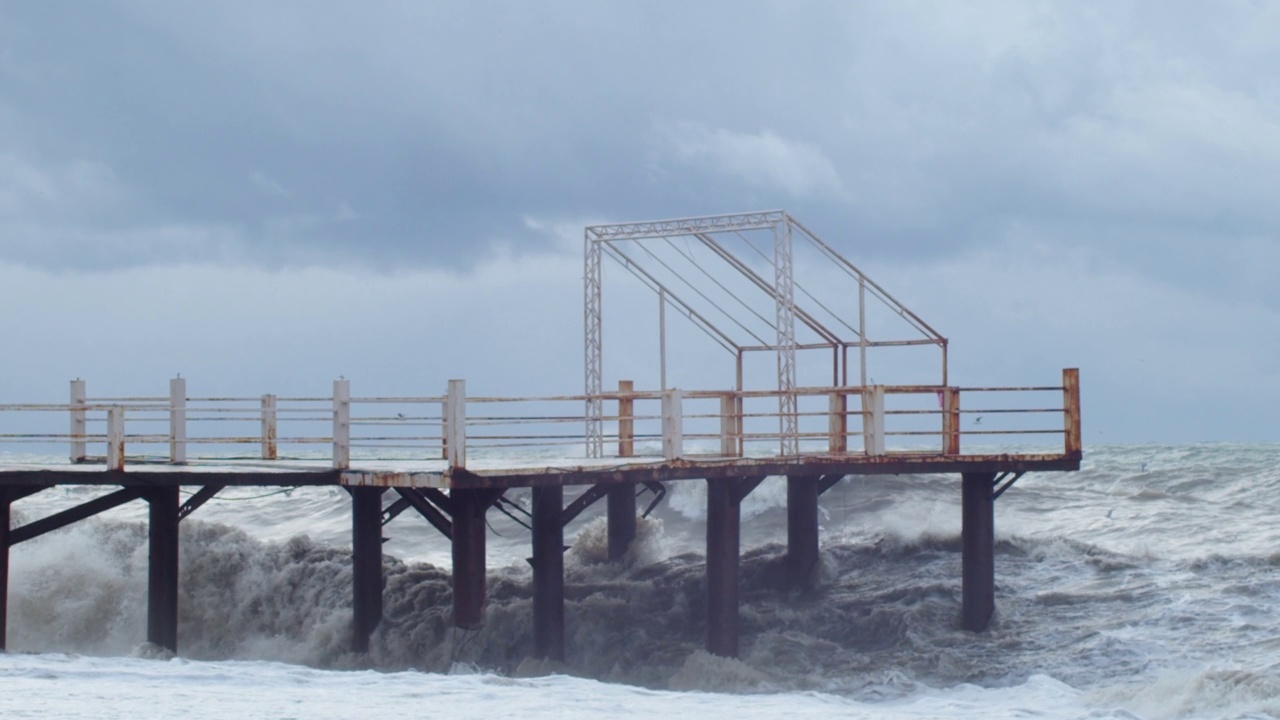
{"type": "Point", "coordinates": [1055, 183]}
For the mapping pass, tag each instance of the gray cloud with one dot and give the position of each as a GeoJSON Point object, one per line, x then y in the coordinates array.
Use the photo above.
{"type": "Point", "coordinates": [914, 128]}
{"type": "Point", "coordinates": [1129, 147]}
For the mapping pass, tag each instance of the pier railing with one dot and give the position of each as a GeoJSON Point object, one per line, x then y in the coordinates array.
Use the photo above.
{"type": "Point", "coordinates": [446, 429]}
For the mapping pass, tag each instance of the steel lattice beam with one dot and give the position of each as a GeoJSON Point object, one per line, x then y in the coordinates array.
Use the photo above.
{"type": "Point", "coordinates": [594, 348]}
{"type": "Point", "coordinates": [687, 226]}
{"type": "Point", "coordinates": [784, 293]}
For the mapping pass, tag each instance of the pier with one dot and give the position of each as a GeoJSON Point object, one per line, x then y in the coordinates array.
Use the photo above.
{"type": "Point", "coordinates": [812, 413]}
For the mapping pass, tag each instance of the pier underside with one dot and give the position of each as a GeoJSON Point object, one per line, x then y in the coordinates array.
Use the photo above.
{"type": "Point", "coordinates": [458, 511]}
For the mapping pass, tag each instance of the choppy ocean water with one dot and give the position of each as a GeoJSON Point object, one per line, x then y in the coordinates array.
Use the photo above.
{"type": "Point", "coordinates": [1146, 585]}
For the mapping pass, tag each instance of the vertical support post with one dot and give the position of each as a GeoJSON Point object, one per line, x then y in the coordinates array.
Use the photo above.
{"type": "Point", "coordinates": [862, 331]}
{"type": "Point", "coordinates": [662, 337]}
{"type": "Point", "coordinates": [1071, 410]}
{"type": "Point", "coordinates": [162, 569]}
{"type": "Point", "coordinates": [621, 508]}
{"type": "Point", "coordinates": [784, 287]}
{"type": "Point", "coordinates": [6, 501]}
{"type": "Point", "coordinates": [79, 449]}
{"type": "Point", "coordinates": [729, 425]}
{"type": "Point", "coordinates": [838, 424]}
{"type": "Point", "coordinates": [672, 424]}
{"type": "Point", "coordinates": [742, 429]}
{"type": "Point", "coordinates": [621, 502]}
{"type": "Point", "coordinates": [455, 424]}
{"type": "Point", "coordinates": [873, 419]}
{"type": "Point", "coordinates": [548, 572]}
{"type": "Point", "coordinates": [593, 346]}
{"type": "Point", "coordinates": [115, 438]}
{"type": "Point", "coordinates": [366, 565]}
{"type": "Point", "coordinates": [270, 429]}
{"type": "Point", "coordinates": [723, 519]}
{"type": "Point", "coordinates": [978, 588]}
{"type": "Point", "coordinates": [802, 529]}
{"type": "Point", "coordinates": [951, 421]}
{"type": "Point", "coordinates": [178, 420]}
{"type": "Point", "coordinates": [468, 507]}
{"type": "Point", "coordinates": [626, 419]}
{"type": "Point", "coordinates": [341, 424]}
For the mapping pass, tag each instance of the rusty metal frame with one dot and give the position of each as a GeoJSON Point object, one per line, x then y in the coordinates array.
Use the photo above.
{"type": "Point", "coordinates": [601, 241]}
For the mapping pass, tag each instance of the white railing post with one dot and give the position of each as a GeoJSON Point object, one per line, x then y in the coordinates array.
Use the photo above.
{"type": "Point", "coordinates": [455, 424]}
{"type": "Point", "coordinates": [873, 420]}
{"type": "Point", "coordinates": [838, 423]}
{"type": "Point", "coordinates": [672, 424]}
{"type": "Point", "coordinates": [178, 420]}
{"type": "Point", "coordinates": [951, 421]}
{"type": "Point", "coordinates": [342, 424]}
{"type": "Point", "coordinates": [729, 425]}
{"type": "Point", "coordinates": [115, 438]}
{"type": "Point", "coordinates": [269, 431]}
{"type": "Point", "coordinates": [79, 449]}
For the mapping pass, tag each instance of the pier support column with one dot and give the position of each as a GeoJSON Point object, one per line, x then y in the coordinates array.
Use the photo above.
{"type": "Point", "coordinates": [548, 573]}
{"type": "Point", "coordinates": [978, 540]}
{"type": "Point", "coordinates": [724, 499]}
{"type": "Point", "coordinates": [802, 530]}
{"type": "Point", "coordinates": [6, 500]}
{"type": "Point", "coordinates": [366, 565]}
{"type": "Point", "coordinates": [622, 519]}
{"type": "Point", "coordinates": [469, 507]}
{"type": "Point", "coordinates": [162, 570]}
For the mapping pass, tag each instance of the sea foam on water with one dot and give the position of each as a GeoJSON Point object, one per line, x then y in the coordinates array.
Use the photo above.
{"type": "Point", "coordinates": [1145, 585]}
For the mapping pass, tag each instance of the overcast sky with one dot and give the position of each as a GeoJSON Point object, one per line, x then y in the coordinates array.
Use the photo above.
{"type": "Point", "coordinates": [265, 195]}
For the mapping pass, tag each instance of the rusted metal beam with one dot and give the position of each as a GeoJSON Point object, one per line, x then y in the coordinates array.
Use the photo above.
{"type": "Point", "coordinates": [16, 493]}
{"type": "Point", "coordinates": [802, 529]}
{"type": "Point", "coordinates": [582, 502]}
{"type": "Point", "coordinates": [161, 478]}
{"type": "Point", "coordinates": [440, 500]}
{"type": "Point", "coordinates": [8, 496]}
{"type": "Point", "coordinates": [366, 565]}
{"type": "Point", "coordinates": [690, 469]}
{"type": "Point", "coordinates": [392, 511]}
{"type": "Point", "coordinates": [80, 512]}
{"type": "Point", "coordinates": [747, 484]}
{"type": "Point", "coordinates": [417, 499]}
{"type": "Point", "coordinates": [162, 568]}
{"type": "Point", "coordinates": [6, 501]}
{"type": "Point", "coordinates": [724, 499]}
{"type": "Point", "coordinates": [621, 518]}
{"type": "Point", "coordinates": [469, 507]}
{"type": "Point", "coordinates": [1003, 482]}
{"type": "Point", "coordinates": [826, 482]}
{"type": "Point", "coordinates": [1071, 409]}
{"type": "Point", "coordinates": [548, 573]}
{"type": "Point", "coordinates": [202, 496]}
{"type": "Point", "coordinates": [978, 550]}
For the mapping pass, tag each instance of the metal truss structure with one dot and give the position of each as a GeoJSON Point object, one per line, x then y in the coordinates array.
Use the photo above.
{"type": "Point", "coordinates": [733, 276]}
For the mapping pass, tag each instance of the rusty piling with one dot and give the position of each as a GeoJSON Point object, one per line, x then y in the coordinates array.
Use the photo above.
{"type": "Point", "coordinates": [162, 568]}
{"type": "Point", "coordinates": [6, 502]}
{"type": "Point", "coordinates": [802, 529]}
{"type": "Point", "coordinates": [723, 538]}
{"type": "Point", "coordinates": [548, 573]}
{"type": "Point", "coordinates": [978, 540]}
{"type": "Point", "coordinates": [366, 565]}
{"type": "Point", "coordinates": [469, 508]}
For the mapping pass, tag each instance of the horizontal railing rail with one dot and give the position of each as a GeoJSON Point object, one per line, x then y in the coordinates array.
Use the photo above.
{"type": "Point", "coordinates": [669, 424]}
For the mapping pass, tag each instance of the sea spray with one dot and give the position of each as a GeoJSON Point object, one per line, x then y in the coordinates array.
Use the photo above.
{"type": "Point", "coordinates": [1121, 577]}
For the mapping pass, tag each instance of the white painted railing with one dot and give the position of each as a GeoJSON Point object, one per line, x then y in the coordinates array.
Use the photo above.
{"type": "Point", "coordinates": [671, 424]}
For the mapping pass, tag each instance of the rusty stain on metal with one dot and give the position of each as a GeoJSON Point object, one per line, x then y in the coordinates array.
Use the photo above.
{"type": "Point", "coordinates": [1071, 405]}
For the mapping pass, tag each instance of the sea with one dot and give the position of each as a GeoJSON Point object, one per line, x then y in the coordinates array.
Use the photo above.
{"type": "Point", "coordinates": [1146, 585]}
